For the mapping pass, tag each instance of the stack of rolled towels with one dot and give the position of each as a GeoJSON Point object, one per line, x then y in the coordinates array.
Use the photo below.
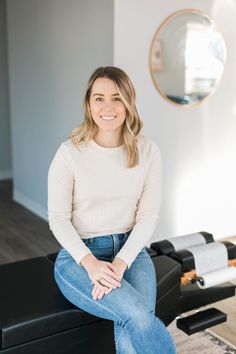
{"type": "Point", "coordinates": [211, 259]}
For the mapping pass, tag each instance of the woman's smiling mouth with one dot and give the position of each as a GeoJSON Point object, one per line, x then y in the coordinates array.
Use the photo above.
{"type": "Point", "coordinates": [108, 117]}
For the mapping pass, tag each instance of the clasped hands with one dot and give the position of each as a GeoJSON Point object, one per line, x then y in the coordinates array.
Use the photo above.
{"type": "Point", "coordinates": [111, 278]}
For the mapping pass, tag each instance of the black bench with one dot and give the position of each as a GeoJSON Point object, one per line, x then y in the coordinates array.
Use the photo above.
{"type": "Point", "coordinates": [35, 318]}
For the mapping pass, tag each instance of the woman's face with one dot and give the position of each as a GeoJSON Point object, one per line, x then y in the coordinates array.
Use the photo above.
{"type": "Point", "coordinates": [107, 109]}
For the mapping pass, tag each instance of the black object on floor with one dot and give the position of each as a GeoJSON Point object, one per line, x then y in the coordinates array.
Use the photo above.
{"type": "Point", "coordinates": [201, 320]}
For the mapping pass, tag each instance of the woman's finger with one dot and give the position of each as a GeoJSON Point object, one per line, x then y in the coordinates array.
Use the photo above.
{"type": "Point", "coordinates": [109, 276]}
{"type": "Point", "coordinates": [104, 292]}
{"type": "Point", "coordinates": [108, 291]}
{"type": "Point", "coordinates": [98, 288]}
{"type": "Point", "coordinates": [95, 292]}
{"type": "Point", "coordinates": [109, 282]}
{"type": "Point", "coordinates": [99, 285]}
{"type": "Point", "coordinates": [99, 293]}
{"type": "Point", "coordinates": [113, 274]}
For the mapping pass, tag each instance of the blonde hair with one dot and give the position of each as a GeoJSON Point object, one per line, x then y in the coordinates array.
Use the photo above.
{"type": "Point", "coordinates": [132, 124]}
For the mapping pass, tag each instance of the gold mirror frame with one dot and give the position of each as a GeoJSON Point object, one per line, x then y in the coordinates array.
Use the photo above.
{"type": "Point", "coordinates": [157, 47]}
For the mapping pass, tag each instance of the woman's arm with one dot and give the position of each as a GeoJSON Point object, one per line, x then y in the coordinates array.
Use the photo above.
{"type": "Point", "coordinates": [60, 194]}
{"type": "Point", "coordinates": [147, 214]}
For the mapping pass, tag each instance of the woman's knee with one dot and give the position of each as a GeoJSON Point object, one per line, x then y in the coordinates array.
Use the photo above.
{"type": "Point", "coordinates": [128, 303]}
{"type": "Point", "coordinates": [69, 275]}
{"type": "Point", "coordinates": [138, 318]}
{"type": "Point", "coordinates": [73, 282]}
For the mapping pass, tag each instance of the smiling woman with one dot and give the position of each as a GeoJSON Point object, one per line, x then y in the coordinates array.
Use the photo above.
{"type": "Point", "coordinates": [103, 212]}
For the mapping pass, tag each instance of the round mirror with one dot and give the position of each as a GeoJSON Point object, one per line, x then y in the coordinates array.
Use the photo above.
{"type": "Point", "coordinates": [187, 57]}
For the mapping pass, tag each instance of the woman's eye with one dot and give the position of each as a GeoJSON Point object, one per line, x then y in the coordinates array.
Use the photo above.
{"type": "Point", "coordinates": [100, 99]}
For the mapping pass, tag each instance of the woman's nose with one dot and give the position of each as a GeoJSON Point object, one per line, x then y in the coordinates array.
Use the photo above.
{"type": "Point", "coordinates": [108, 106]}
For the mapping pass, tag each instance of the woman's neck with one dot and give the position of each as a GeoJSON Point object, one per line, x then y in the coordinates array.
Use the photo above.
{"type": "Point", "coordinates": [108, 141]}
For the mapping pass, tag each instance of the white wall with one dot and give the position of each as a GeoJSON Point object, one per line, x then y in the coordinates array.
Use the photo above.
{"type": "Point", "coordinates": [198, 145]}
{"type": "Point", "coordinates": [54, 45]}
{"type": "Point", "coordinates": [5, 143]}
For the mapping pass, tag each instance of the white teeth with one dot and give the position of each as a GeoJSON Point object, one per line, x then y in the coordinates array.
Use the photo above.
{"type": "Point", "coordinates": [108, 117]}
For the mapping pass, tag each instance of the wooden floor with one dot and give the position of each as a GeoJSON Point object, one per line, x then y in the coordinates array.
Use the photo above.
{"type": "Point", "coordinates": [227, 330]}
{"type": "Point", "coordinates": [22, 233]}
{"type": "Point", "coordinates": [25, 235]}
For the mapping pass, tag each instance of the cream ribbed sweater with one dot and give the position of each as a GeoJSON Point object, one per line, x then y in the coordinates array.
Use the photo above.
{"type": "Point", "coordinates": [92, 193]}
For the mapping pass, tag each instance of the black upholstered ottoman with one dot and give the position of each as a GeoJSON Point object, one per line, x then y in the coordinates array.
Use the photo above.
{"type": "Point", "coordinates": [35, 318]}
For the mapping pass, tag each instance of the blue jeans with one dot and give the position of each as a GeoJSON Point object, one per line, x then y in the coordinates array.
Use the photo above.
{"type": "Point", "coordinates": [132, 306]}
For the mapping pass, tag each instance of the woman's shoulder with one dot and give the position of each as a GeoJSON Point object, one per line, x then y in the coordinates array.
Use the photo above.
{"type": "Point", "coordinates": [147, 145]}
{"type": "Point", "coordinates": [70, 147]}
{"type": "Point", "coordinates": [65, 151]}
{"type": "Point", "coordinates": [67, 144]}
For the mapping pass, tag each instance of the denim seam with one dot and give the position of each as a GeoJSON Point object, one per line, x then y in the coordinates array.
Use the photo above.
{"type": "Point", "coordinates": [104, 308]}
{"type": "Point", "coordinates": [113, 245]}
{"type": "Point", "coordinates": [124, 329]}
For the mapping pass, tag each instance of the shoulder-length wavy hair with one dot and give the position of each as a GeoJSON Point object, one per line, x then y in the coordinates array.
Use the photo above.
{"type": "Point", "coordinates": [132, 124]}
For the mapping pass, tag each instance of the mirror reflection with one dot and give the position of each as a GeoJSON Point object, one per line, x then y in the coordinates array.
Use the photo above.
{"type": "Point", "coordinates": [187, 57]}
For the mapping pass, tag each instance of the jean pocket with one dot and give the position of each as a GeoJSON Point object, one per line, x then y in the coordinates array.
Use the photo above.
{"type": "Point", "coordinates": [101, 246]}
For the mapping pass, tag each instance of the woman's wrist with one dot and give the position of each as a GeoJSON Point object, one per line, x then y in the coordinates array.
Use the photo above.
{"type": "Point", "coordinates": [88, 260]}
{"type": "Point", "coordinates": [121, 262]}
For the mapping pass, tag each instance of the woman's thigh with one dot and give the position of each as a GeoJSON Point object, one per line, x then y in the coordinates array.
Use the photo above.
{"type": "Point", "coordinates": [73, 281]}
{"type": "Point", "coordinates": [142, 276]}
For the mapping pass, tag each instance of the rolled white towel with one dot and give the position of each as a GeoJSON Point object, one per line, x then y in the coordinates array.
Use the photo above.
{"type": "Point", "coordinates": [209, 257]}
{"type": "Point", "coordinates": [216, 277]}
{"type": "Point", "coordinates": [190, 240]}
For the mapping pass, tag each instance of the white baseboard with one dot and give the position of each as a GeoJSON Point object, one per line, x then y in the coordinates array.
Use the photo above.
{"type": "Point", "coordinates": [5, 175]}
{"type": "Point", "coordinates": [30, 204]}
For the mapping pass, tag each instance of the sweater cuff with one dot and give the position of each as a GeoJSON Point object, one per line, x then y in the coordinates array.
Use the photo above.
{"type": "Point", "coordinates": [78, 259]}
{"type": "Point", "coordinates": [125, 259]}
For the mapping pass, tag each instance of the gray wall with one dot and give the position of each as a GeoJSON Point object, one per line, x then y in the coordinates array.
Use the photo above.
{"type": "Point", "coordinates": [54, 45]}
{"type": "Point", "coordinates": [5, 144]}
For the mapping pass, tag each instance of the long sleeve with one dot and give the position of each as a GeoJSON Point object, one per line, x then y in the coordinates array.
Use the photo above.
{"type": "Point", "coordinates": [147, 214]}
{"type": "Point", "coordinates": [60, 200]}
